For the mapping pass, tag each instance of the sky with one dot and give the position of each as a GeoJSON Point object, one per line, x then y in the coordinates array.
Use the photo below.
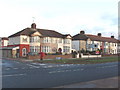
{"type": "Point", "coordinates": [64, 16]}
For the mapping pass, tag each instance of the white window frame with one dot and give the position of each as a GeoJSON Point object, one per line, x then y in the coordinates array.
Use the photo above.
{"type": "Point", "coordinates": [66, 49]}
{"type": "Point", "coordinates": [46, 49]}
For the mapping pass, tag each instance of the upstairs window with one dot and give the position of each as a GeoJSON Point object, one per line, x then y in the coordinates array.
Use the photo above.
{"type": "Point", "coordinates": [66, 41]}
{"type": "Point", "coordinates": [35, 39]}
{"type": "Point", "coordinates": [24, 40]}
{"type": "Point", "coordinates": [46, 40]}
{"type": "Point", "coordinates": [60, 40]}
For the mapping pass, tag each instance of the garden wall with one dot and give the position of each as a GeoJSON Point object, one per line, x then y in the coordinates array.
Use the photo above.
{"type": "Point", "coordinates": [50, 56]}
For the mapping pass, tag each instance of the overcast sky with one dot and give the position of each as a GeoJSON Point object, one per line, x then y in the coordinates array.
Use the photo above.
{"type": "Point", "coordinates": [64, 16]}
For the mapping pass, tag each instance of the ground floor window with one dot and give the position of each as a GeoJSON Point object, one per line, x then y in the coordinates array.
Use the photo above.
{"type": "Point", "coordinates": [46, 49]}
{"type": "Point", "coordinates": [66, 49]}
{"type": "Point", "coordinates": [35, 49]}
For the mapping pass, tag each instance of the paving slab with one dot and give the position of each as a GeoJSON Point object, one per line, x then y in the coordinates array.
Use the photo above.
{"type": "Point", "coordinates": [101, 83]}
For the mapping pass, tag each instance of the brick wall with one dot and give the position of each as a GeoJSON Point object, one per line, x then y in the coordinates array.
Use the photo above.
{"type": "Point", "coordinates": [50, 56]}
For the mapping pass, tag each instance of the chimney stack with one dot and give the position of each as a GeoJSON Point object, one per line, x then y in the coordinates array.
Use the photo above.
{"type": "Point", "coordinates": [99, 34]}
{"type": "Point", "coordinates": [112, 36]}
{"type": "Point", "coordinates": [33, 26]}
{"type": "Point", "coordinates": [82, 32]}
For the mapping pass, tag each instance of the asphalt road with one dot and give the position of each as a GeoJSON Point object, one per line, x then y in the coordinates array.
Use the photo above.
{"type": "Point", "coordinates": [17, 74]}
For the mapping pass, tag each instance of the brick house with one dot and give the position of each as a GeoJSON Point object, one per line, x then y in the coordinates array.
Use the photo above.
{"type": "Point", "coordinates": [108, 45]}
{"type": "Point", "coordinates": [34, 40]}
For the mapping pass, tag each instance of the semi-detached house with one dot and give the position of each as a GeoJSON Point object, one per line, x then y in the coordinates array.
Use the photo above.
{"type": "Point", "coordinates": [88, 42]}
{"type": "Point", "coordinates": [34, 40]}
{"type": "Point", "coordinates": [31, 41]}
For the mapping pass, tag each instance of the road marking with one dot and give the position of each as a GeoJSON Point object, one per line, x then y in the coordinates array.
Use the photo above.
{"type": "Point", "coordinates": [49, 66]}
{"type": "Point", "coordinates": [107, 66]}
{"type": "Point", "coordinates": [7, 69]}
{"type": "Point", "coordinates": [67, 70]}
{"type": "Point", "coordinates": [62, 71]}
{"type": "Point", "coordinates": [33, 66]}
{"type": "Point", "coordinates": [45, 67]}
{"type": "Point", "coordinates": [81, 69]}
{"type": "Point", "coordinates": [23, 68]}
{"type": "Point", "coordinates": [52, 72]}
{"type": "Point", "coordinates": [12, 75]}
{"type": "Point", "coordinates": [17, 62]}
{"type": "Point", "coordinates": [62, 65]}
{"type": "Point", "coordinates": [77, 69]}
{"type": "Point", "coordinates": [42, 64]}
{"type": "Point", "coordinates": [15, 68]}
{"type": "Point", "coordinates": [56, 71]}
{"type": "Point", "coordinates": [74, 70]}
{"type": "Point", "coordinates": [82, 64]}
{"type": "Point", "coordinates": [38, 64]}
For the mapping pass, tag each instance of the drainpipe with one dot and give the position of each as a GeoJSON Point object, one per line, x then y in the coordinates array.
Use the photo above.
{"type": "Point", "coordinates": [79, 45]}
{"type": "Point", "coordinates": [40, 50]}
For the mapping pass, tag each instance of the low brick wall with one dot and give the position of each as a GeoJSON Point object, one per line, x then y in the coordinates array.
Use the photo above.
{"type": "Point", "coordinates": [50, 56]}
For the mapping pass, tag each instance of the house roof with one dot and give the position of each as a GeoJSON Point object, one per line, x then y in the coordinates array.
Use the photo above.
{"type": "Point", "coordinates": [65, 36]}
{"type": "Point", "coordinates": [26, 31]}
{"type": "Point", "coordinates": [103, 39]}
{"type": "Point", "coordinates": [94, 38]}
{"type": "Point", "coordinates": [4, 38]}
{"type": "Point", "coordinates": [80, 37]}
{"type": "Point", "coordinates": [50, 33]}
{"type": "Point", "coordinates": [43, 32]}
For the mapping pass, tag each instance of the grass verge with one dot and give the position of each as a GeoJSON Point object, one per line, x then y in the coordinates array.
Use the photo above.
{"type": "Point", "coordinates": [81, 60]}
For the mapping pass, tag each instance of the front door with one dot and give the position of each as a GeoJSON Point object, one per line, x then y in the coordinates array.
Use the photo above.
{"type": "Point", "coordinates": [24, 52]}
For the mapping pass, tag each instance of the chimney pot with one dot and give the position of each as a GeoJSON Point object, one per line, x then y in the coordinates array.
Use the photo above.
{"type": "Point", "coordinates": [112, 36]}
{"type": "Point", "coordinates": [82, 32]}
{"type": "Point", "coordinates": [99, 34]}
{"type": "Point", "coordinates": [33, 26]}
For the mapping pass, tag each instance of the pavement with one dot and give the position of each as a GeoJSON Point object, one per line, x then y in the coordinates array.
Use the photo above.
{"type": "Point", "coordinates": [101, 83]}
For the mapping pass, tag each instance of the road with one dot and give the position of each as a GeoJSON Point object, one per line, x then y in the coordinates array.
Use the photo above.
{"type": "Point", "coordinates": [16, 74]}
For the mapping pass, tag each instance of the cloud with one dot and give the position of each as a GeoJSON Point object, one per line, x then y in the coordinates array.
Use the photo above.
{"type": "Point", "coordinates": [63, 16]}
